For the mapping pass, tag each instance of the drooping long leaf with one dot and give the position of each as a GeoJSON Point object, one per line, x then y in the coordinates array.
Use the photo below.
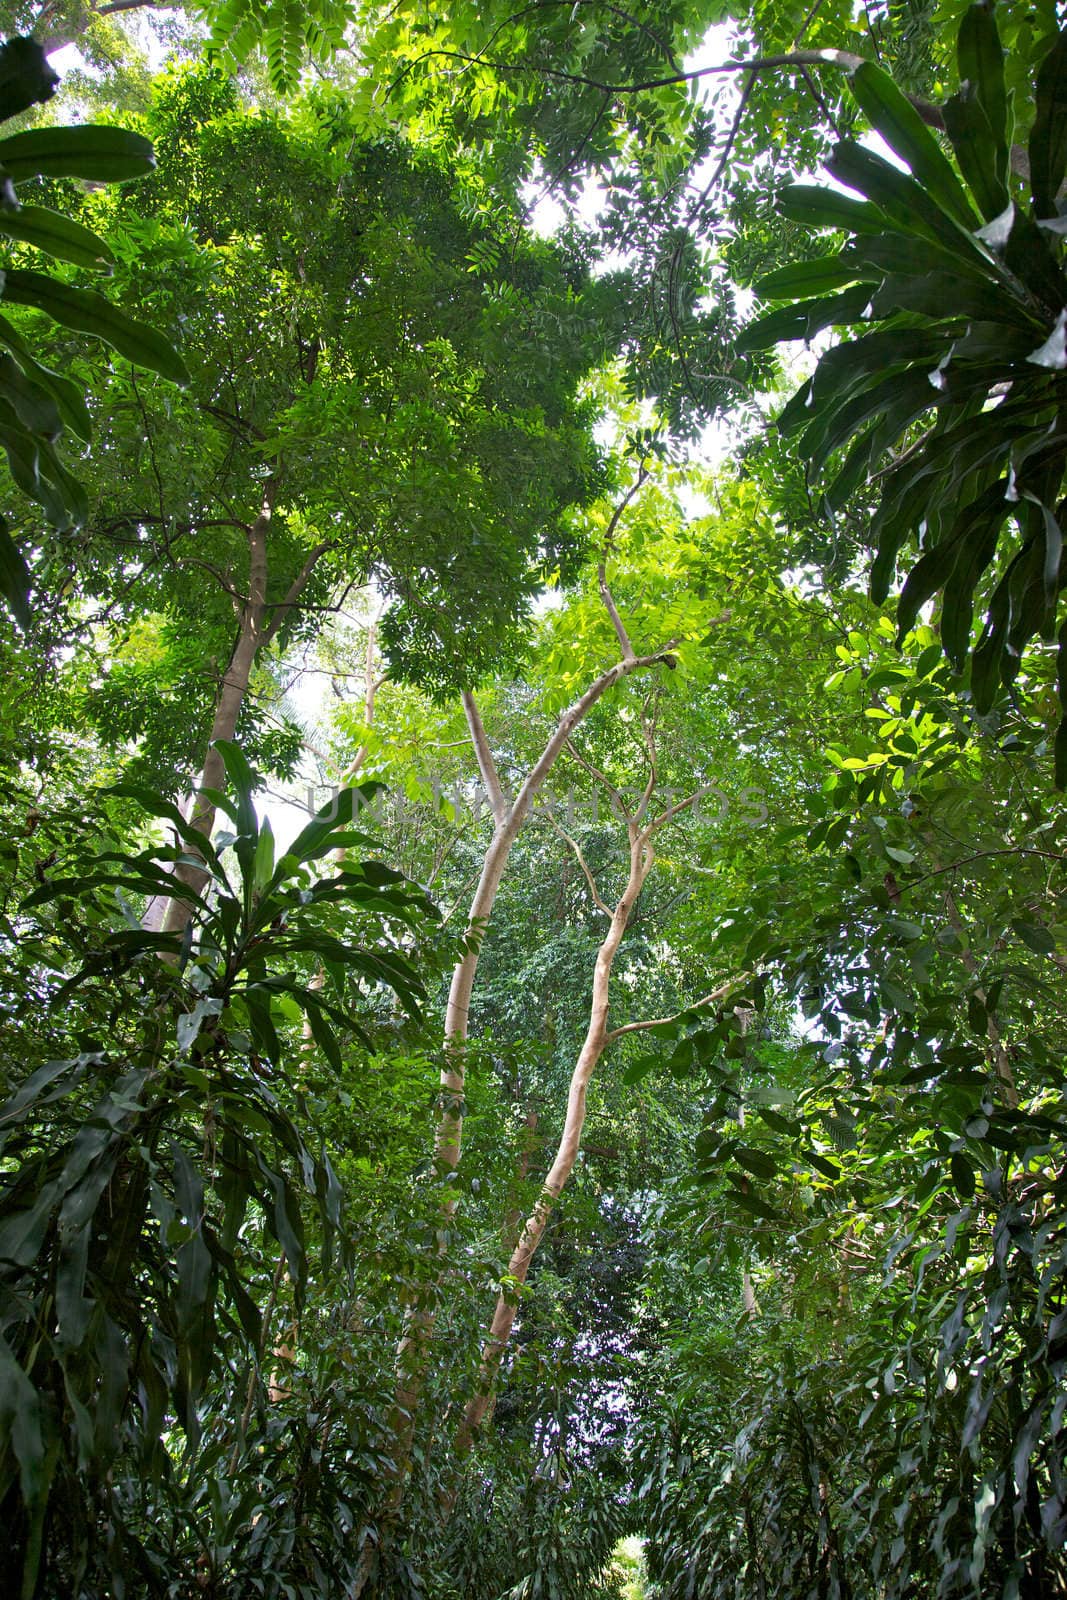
{"type": "Point", "coordinates": [88, 312]}
{"type": "Point", "coordinates": [1048, 137]}
{"type": "Point", "coordinates": [14, 576]}
{"type": "Point", "coordinates": [91, 151]}
{"type": "Point", "coordinates": [980, 58]}
{"type": "Point", "coordinates": [26, 79]}
{"type": "Point", "coordinates": [975, 149]}
{"type": "Point", "coordinates": [34, 407]}
{"type": "Point", "coordinates": [803, 278]}
{"type": "Point", "coordinates": [825, 208]}
{"type": "Point", "coordinates": [905, 202]}
{"type": "Point", "coordinates": [58, 236]}
{"type": "Point", "coordinates": [68, 396]}
{"type": "Point", "coordinates": [898, 122]}
{"type": "Point", "coordinates": [805, 319]}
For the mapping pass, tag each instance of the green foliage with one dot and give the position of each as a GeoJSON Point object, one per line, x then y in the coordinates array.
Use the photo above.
{"type": "Point", "coordinates": [36, 404]}
{"type": "Point", "coordinates": [285, 32]}
{"type": "Point", "coordinates": [150, 1178]}
{"type": "Point", "coordinates": [960, 276]}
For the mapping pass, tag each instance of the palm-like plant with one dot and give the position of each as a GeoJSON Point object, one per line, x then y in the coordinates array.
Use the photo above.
{"type": "Point", "coordinates": [36, 404]}
{"type": "Point", "coordinates": [954, 270]}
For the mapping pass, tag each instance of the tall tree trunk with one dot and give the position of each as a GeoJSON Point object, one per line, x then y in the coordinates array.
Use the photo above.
{"type": "Point", "coordinates": [228, 706]}
{"type": "Point", "coordinates": [593, 1046]}
{"type": "Point", "coordinates": [258, 622]}
{"type": "Point", "coordinates": [414, 1349]}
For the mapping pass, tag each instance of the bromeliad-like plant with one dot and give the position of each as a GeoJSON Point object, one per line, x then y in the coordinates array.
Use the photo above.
{"type": "Point", "coordinates": [956, 273]}
{"type": "Point", "coordinates": [152, 1183]}
{"type": "Point", "coordinates": [37, 404]}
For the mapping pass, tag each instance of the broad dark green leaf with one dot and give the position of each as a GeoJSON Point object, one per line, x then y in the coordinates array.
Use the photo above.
{"type": "Point", "coordinates": [93, 152]}
{"type": "Point", "coordinates": [898, 122]}
{"type": "Point", "coordinates": [14, 576]}
{"type": "Point", "coordinates": [1048, 137]}
{"type": "Point", "coordinates": [57, 236]}
{"type": "Point", "coordinates": [976, 150]}
{"type": "Point", "coordinates": [34, 407]}
{"type": "Point", "coordinates": [806, 319]}
{"type": "Point", "coordinates": [905, 202]}
{"type": "Point", "coordinates": [26, 79]}
{"type": "Point", "coordinates": [980, 59]}
{"type": "Point", "coordinates": [825, 208]}
{"type": "Point", "coordinates": [804, 278]}
{"type": "Point", "coordinates": [88, 312]}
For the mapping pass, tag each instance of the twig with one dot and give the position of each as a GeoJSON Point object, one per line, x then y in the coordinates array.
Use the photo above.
{"type": "Point", "coordinates": [576, 847]}
{"type": "Point", "coordinates": [660, 1022]}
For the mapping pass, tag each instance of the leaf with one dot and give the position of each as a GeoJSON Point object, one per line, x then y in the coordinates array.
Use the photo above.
{"type": "Point", "coordinates": [91, 151]}
{"type": "Point", "coordinates": [824, 208]}
{"type": "Point", "coordinates": [26, 79]}
{"type": "Point", "coordinates": [962, 1174]}
{"type": "Point", "coordinates": [68, 396]}
{"type": "Point", "coordinates": [975, 149]}
{"type": "Point", "coordinates": [755, 1204]}
{"type": "Point", "coordinates": [1048, 137]}
{"type": "Point", "coordinates": [905, 202]}
{"type": "Point", "coordinates": [1053, 353]}
{"type": "Point", "coordinates": [263, 865]}
{"type": "Point", "coordinates": [803, 278]}
{"type": "Point", "coordinates": [898, 122]}
{"type": "Point", "coordinates": [980, 60]}
{"type": "Point", "coordinates": [21, 1423]}
{"type": "Point", "coordinates": [806, 319]}
{"type": "Point", "coordinates": [88, 312]}
{"type": "Point", "coordinates": [758, 1162]}
{"type": "Point", "coordinates": [1035, 937]}
{"type": "Point", "coordinates": [58, 236]}
{"type": "Point", "coordinates": [14, 576]}
{"type": "Point", "coordinates": [190, 1022]}
{"type": "Point", "coordinates": [829, 1169]}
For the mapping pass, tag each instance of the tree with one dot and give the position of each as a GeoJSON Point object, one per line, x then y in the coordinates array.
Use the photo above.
{"type": "Point", "coordinates": [350, 415]}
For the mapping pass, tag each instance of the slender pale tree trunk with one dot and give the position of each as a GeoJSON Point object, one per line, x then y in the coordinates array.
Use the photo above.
{"type": "Point", "coordinates": [507, 821]}
{"type": "Point", "coordinates": [258, 622]}
{"type": "Point", "coordinates": [593, 1047]}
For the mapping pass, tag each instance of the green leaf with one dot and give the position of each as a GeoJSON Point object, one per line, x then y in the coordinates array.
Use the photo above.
{"type": "Point", "coordinates": [824, 208]}
{"type": "Point", "coordinates": [58, 236]}
{"type": "Point", "coordinates": [1035, 937]}
{"type": "Point", "coordinates": [26, 79]}
{"type": "Point", "coordinates": [905, 202]}
{"type": "Point", "coordinates": [35, 409]}
{"type": "Point", "coordinates": [263, 866]}
{"type": "Point", "coordinates": [91, 151]}
{"type": "Point", "coordinates": [317, 837]}
{"type": "Point", "coordinates": [898, 122]}
{"type": "Point", "coordinates": [962, 1174]}
{"type": "Point", "coordinates": [806, 319]}
{"type": "Point", "coordinates": [1048, 137]}
{"type": "Point", "coordinates": [755, 1204]}
{"type": "Point", "coordinates": [976, 150]}
{"type": "Point", "coordinates": [758, 1162]}
{"type": "Point", "coordinates": [68, 395]}
{"type": "Point", "coordinates": [14, 577]}
{"type": "Point", "coordinates": [803, 278]}
{"type": "Point", "coordinates": [829, 1169]}
{"type": "Point", "coordinates": [88, 312]}
{"type": "Point", "coordinates": [980, 59]}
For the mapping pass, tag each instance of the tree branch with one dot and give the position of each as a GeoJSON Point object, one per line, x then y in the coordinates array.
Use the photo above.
{"type": "Point", "coordinates": [661, 1022]}
{"type": "Point", "coordinates": [601, 571]}
{"type": "Point", "coordinates": [846, 60]}
{"type": "Point", "coordinates": [486, 765]}
{"type": "Point", "coordinates": [295, 590]}
{"type": "Point", "coordinates": [590, 880]}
